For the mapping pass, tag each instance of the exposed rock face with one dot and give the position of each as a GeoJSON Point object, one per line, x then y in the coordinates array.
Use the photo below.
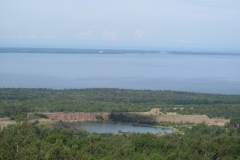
{"type": "Point", "coordinates": [32, 116]}
{"type": "Point", "coordinates": [75, 116]}
{"type": "Point", "coordinates": [81, 116]}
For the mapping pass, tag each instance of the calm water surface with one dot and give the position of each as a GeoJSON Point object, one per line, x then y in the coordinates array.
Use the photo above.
{"type": "Point", "coordinates": [195, 73]}
{"type": "Point", "coordinates": [106, 127]}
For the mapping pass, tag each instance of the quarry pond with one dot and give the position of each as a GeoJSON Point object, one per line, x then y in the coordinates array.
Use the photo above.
{"type": "Point", "coordinates": [109, 127]}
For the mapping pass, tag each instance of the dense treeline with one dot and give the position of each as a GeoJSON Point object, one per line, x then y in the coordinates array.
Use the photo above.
{"type": "Point", "coordinates": [25, 141]}
{"type": "Point", "coordinates": [116, 100]}
{"type": "Point", "coordinates": [212, 110]}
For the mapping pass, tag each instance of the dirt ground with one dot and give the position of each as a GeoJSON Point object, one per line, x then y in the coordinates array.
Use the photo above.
{"type": "Point", "coordinates": [5, 121]}
{"type": "Point", "coordinates": [155, 115]}
{"type": "Point", "coordinates": [220, 122]}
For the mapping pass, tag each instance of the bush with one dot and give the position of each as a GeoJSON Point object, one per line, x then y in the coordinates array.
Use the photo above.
{"type": "Point", "coordinates": [99, 117]}
{"type": "Point", "coordinates": [41, 115]}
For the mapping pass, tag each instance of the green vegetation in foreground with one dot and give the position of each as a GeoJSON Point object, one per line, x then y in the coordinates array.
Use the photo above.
{"type": "Point", "coordinates": [116, 100]}
{"type": "Point", "coordinates": [25, 141]}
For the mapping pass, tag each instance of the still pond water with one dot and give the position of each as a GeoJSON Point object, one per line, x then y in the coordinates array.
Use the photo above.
{"type": "Point", "coordinates": [106, 127]}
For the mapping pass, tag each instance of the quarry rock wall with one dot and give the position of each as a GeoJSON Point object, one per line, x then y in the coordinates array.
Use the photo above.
{"type": "Point", "coordinates": [76, 116]}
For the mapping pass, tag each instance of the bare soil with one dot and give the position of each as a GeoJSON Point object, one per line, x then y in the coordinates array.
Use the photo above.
{"type": "Point", "coordinates": [5, 121]}
{"type": "Point", "coordinates": [157, 116]}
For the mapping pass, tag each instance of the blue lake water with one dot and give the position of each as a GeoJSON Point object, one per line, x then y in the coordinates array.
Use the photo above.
{"type": "Point", "coordinates": [106, 127]}
{"type": "Point", "coordinates": [162, 71]}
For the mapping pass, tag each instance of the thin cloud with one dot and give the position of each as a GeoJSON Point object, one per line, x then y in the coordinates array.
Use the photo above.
{"type": "Point", "coordinates": [107, 35]}
{"type": "Point", "coordinates": [49, 37]}
{"type": "Point", "coordinates": [84, 35]}
{"type": "Point", "coordinates": [138, 34]}
{"type": "Point", "coordinates": [182, 41]}
{"type": "Point", "coordinates": [3, 36]}
{"type": "Point", "coordinates": [33, 36]}
{"type": "Point", "coordinates": [21, 36]}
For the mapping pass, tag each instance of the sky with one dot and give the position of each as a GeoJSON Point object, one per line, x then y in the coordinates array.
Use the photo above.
{"type": "Point", "coordinates": [136, 24]}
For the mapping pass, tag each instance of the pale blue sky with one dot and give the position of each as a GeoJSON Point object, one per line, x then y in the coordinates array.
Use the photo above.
{"type": "Point", "coordinates": [149, 24]}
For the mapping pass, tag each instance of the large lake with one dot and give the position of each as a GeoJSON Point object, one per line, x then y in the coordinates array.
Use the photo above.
{"type": "Point", "coordinates": [106, 127]}
{"type": "Point", "coordinates": [162, 71]}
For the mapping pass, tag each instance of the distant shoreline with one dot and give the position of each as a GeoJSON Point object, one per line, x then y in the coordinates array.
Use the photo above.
{"type": "Point", "coordinates": [109, 51]}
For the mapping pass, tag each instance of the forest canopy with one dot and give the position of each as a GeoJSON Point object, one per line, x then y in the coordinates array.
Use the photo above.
{"type": "Point", "coordinates": [25, 140]}
{"type": "Point", "coordinates": [33, 141]}
{"type": "Point", "coordinates": [116, 100]}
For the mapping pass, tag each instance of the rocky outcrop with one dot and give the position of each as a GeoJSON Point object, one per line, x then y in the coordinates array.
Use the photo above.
{"type": "Point", "coordinates": [79, 116]}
